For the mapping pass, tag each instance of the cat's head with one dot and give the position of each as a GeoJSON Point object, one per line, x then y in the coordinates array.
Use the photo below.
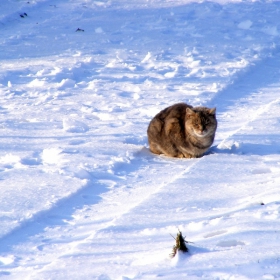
{"type": "Point", "coordinates": [201, 121]}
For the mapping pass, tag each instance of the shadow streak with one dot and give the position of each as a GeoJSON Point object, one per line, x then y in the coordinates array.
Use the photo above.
{"type": "Point", "coordinates": [248, 81]}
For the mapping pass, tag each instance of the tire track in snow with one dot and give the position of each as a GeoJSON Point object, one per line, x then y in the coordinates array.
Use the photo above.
{"type": "Point", "coordinates": [137, 199]}
{"type": "Point", "coordinates": [96, 220]}
{"type": "Point", "coordinates": [123, 203]}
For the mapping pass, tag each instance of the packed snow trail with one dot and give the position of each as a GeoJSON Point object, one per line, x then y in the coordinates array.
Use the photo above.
{"type": "Point", "coordinates": [81, 196]}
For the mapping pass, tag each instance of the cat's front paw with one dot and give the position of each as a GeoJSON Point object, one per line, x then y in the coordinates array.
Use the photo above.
{"type": "Point", "coordinates": [180, 155]}
{"type": "Point", "coordinates": [188, 156]}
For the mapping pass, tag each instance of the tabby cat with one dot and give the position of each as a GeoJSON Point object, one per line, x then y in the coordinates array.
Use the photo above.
{"type": "Point", "coordinates": [182, 131]}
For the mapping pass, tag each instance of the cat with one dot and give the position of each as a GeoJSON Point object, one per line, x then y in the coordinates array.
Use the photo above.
{"type": "Point", "coordinates": [182, 131]}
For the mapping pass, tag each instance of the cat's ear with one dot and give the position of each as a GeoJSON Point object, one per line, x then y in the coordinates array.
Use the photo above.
{"type": "Point", "coordinates": [189, 112]}
{"type": "Point", "coordinates": [212, 111]}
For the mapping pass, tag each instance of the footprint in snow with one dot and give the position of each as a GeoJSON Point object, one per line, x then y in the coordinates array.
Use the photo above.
{"type": "Point", "coordinates": [103, 277]}
{"type": "Point", "coordinates": [230, 243]}
{"type": "Point", "coordinates": [31, 161]}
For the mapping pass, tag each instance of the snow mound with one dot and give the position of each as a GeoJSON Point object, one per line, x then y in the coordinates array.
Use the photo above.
{"type": "Point", "coordinates": [66, 83]}
{"type": "Point", "coordinates": [74, 126]}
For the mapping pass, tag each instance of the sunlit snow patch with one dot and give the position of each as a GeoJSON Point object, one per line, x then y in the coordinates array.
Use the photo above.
{"type": "Point", "coordinates": [7, 260]}
{"type": "Point", "coordinates": [271, 30]}
{"type": "Point", "coordinates": [245, 24]}
{"type": "Point", "coordinates": [147, 57]}
{"type": "Point", "coordinates": [229, 145]}
{"type": "Point", "coordinates": [66, 83]}
{"type": "Point", "coordinates": [36, 83]}
{"type": "Point", "coordinates": [9, 161]}
{"type": "Point", "coordinates": [179, 259]}
{"type": "Point", "coordinates": [74, 126]}
{"type": "Point", "coordinates": [78, 172]}
{"type": "Point", "coordinates": [51, 156]}
{"type": "Point", "coordinates": [9, 158]}
{"type": "Point", "coordinates": [98, 30]}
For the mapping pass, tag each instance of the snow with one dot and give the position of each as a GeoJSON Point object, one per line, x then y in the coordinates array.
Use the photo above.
{"type": "Point", "coordinates": [81, 196]}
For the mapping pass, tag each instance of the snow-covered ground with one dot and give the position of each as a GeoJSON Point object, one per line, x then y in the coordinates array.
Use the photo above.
{"type": "Point", "coordinates": [81, 196]}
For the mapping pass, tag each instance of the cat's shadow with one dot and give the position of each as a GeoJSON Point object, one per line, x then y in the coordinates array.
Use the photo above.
{"type": "Point", "coordinates": [235, 149]}
{"type": "Point", "coordinates": [245, 149]}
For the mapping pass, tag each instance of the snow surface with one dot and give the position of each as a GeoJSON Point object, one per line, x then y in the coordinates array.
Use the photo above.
{"type": "Point", "coordinates": [81, 196]}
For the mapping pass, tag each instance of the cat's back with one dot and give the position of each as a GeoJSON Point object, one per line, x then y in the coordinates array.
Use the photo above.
{"type": "Point", "coordinates": [170, 118]}
{"type": "Point", "coordinates": [177, 111]}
